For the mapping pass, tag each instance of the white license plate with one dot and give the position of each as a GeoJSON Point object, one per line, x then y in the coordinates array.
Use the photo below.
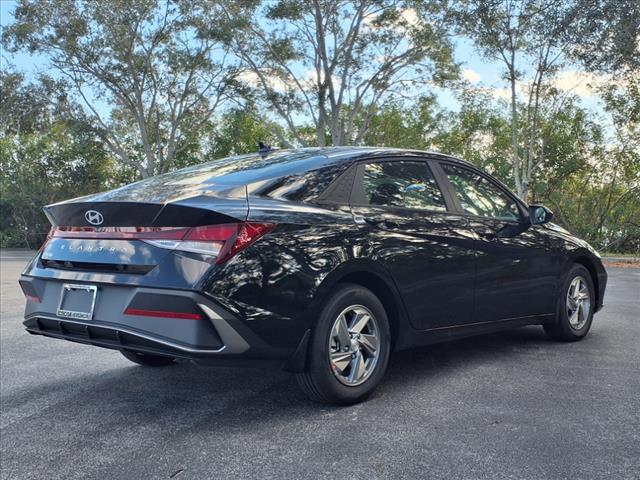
{"type": "Point", "coordinates": [77, 301]}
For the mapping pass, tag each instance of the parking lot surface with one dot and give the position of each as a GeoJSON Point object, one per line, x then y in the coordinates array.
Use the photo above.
{"type": "Point", "coordinates": [509, 405]}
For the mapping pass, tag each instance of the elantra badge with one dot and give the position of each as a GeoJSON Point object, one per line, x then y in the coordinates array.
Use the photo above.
{"type": "Point", "coordinates": [93, 217]}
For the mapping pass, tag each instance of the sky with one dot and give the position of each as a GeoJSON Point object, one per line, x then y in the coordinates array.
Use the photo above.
{"type": "Point", "coordinates": [479, 72]}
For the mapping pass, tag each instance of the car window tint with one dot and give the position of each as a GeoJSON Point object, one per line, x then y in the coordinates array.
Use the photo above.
{"type": "Point", "coordinates": [231, 171]}
{"type": "Point", "coordinates": [297, 188]}
{"type": "Point", "coordinates": [480, 197]}
{"type": "Point", "coordinates": [402, 184]}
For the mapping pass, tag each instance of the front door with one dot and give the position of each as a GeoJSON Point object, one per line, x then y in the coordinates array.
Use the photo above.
{"type": "Point", "coordinates": [516, 270]}
{"type": "Point", "coordinates": [427, 249]}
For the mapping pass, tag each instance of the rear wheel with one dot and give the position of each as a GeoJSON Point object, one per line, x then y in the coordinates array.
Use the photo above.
{"type": "Point", "coordinates": [575, 309]}
{"type": "Point", "coordinates": [146, 359]}
{"type": "Point", "coordinates": [349, 348]}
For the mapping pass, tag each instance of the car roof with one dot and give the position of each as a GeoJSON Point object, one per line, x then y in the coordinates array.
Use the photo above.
{"type": "Point", "coordinates": [241, 170]}
{"type": "Point", "coordinates": [322, 156]}
{"type": "Point", "coordinates": [246, 169]}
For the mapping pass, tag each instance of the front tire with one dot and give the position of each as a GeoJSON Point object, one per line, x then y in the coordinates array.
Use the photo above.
{"type": "Point", "coordinates": [146, 359]}
{"type": "Point", "coordinates": [349, 348]}
{"type": "Point", "coordinates": [576, 307]}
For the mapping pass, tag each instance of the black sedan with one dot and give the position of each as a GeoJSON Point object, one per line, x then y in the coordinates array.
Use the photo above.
{"type": "Point", "coordinates": [318, 261]}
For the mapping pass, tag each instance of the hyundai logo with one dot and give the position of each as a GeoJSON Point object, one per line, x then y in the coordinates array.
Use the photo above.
{"type": "Point", "coordinates": [93, 217]}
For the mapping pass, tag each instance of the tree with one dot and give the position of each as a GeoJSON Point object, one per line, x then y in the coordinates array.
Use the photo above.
{"type": "Point", "coordinates": [605, 35]}
{"type": "Point", "coordinates": [50, 154]}
{"type": "Point", "coordinates": [478, 132]}
{"type": "Point", "coordinates": [144, 69]}
{"type": "Point", "coordinates": [30, 108]}
{"type": "Point", "coordinates": [527, 37]}
{"type": "Point", "coordinates": [335, 62]}
{"type": "Point", "coordinates": [622, 200]}
{"type": "Point", "coordinates": [238, 131]}
{"type": "Point", "coordinates": [405, 125]}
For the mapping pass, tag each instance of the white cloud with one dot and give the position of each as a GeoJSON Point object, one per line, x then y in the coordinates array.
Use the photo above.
{"type": "Point", "coordinates": [307, 80]}
{"type": "Point", "coordinates": [583, 84]}
{"type": "Point", "coordinates": [251, 77]}
{"type": "Point", "coordinates": [411, 17]}
{"type": "Point", "coordinates": [500, 93]}
{"type": "Point", "coordinates": [573, 82]}
{"type": "Point", "coordinates": [471, 75]}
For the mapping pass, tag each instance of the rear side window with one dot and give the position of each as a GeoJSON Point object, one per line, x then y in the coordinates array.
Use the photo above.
{"type": "Point", "coordinates": [298, 188]}
{"type": "Point", "coordinates": [478, 196]}
{"type": "Point", "coordinates": [402, 184]}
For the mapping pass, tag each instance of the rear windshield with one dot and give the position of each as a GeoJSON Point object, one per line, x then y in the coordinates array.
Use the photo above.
{"type": "Point", "coordinates": [225, 167]}
{"type": "Point", "coordinates": [230, 171]}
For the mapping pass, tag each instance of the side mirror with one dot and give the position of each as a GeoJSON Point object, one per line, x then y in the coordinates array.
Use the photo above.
{"type": "Point", "coordinates": [539, 214]}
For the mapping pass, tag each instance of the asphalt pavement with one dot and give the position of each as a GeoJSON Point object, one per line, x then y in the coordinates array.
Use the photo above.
{"type": "Point", "coordinates": [509, 405]}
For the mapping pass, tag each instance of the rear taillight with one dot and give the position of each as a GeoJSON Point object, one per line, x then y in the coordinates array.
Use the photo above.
{"type": "Point", "coordinates": [248, 234]}
{"type": "Point", "coordinates": [120, 233]}
{"type": "Point", "coordinates": [221, 241]}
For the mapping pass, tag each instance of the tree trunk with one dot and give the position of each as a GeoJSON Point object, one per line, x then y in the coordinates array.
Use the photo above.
{"type": "Point", "coordinates": [521, 189]}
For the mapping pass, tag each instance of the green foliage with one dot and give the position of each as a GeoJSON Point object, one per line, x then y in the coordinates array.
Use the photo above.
{"type": "Point", "coordinates": [479, 132]}
{"type": "Point", "coordinates": [607, 34]}
{"type": "Point", "coordinates": [41, 168]}
{"type": "Point", "coordinates": [239, 131]}
{"type": "Point", "coordinates": [398, 125]}
{"type": "Point", "coordinates": [334, 63]}
{"type": "Point", "coordinates": [150, 72]}
{"type": "Point", "coordinates": [48, 153]}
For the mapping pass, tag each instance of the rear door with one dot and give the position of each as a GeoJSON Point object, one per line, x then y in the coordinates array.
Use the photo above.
{"type": "Point", "coordinates": [516, 267]}
{"type": "Point", "coordinates": [426, 248]}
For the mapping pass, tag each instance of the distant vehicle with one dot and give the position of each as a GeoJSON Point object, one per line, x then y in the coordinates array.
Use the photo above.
{"type": "Point", "coordinates": [318, 261]}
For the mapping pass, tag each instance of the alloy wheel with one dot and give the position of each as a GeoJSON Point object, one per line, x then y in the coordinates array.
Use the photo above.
{"type": "Point", "coordinates": [578, 303]}
{"type": "Point", "coordinates": [354, 345]}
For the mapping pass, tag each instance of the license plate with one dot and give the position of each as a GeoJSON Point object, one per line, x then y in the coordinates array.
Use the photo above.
{"type": "Point", "coordinates": [77, 301]}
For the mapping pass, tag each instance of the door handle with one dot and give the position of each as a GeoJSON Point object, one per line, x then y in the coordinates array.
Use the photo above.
{"type": "Point", "coordinates": [382, 223]}
{"type": "Point", "coordinates": [490, 236]}
{"type": "Point", "coordinates": [360, 220]}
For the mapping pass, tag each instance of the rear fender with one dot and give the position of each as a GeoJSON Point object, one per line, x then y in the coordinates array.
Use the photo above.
{"type": "Point", "coordinates": [362, 272]}
{"type": "Point", "coordinates": [376, 278]}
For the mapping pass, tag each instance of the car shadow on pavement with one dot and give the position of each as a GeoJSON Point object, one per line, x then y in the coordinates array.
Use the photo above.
{"type": "Point", "coordinates": [450, 355]}
{"type": "Point", "coordinates": [184, 397]}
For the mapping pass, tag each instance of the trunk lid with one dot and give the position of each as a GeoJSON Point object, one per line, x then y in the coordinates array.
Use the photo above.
{"type": "Point", "coordinates": [105, 233]}
{"type": "Point", "coordinates": [153, 205]}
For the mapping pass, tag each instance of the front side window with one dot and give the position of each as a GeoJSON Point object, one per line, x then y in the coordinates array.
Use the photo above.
{"type": "Point", "coordinates": [478, 196]}
{"type": "Point", "coordinates": [402, 184]}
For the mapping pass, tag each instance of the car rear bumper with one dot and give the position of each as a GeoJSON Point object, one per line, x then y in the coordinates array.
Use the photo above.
{"type": "Point", "coordinates": [211, 335]}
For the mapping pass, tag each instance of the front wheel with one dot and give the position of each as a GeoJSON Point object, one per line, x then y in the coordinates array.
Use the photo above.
{"type": "Point", "coordinates": [576, 306]}
{"type": "Point", "coordinates": [349, 348]}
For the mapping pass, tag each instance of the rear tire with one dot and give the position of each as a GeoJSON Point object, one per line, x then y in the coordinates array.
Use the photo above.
{"type": "Point", "coordinates": [575, 307]}
{"type": "Point", "coordinates": [146, 359]}
{"type": "Point", "coordinates": [349, 348]}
